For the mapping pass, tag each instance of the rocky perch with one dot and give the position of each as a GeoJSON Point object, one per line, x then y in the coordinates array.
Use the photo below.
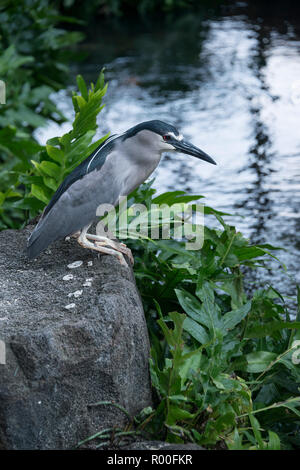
{"type": "Point", "coordinates": [72, 333]}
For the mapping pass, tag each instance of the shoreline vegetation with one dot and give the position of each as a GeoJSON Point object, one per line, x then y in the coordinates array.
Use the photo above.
{"type": "Point", "coordinates": [224, 362]}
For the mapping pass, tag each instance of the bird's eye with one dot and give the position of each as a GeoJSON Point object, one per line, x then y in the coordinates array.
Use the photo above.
{"type": "Point", "coordinates": [166, 137]}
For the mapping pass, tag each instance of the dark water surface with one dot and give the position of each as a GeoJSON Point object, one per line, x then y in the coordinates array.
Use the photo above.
{"type": "Point", "coordinates": [231, 83]}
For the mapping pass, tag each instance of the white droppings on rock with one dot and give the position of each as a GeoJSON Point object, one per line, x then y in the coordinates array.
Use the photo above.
{"type": "Point", "coordinates": [90, 263]}
{"type": "Point", "coordinates": [76, 294]}
{"type": "Point", "coordinates": [88, 282]}
{"type": "Point", "coordinates": [70, 306]}
{"type": "Point", "coordinates": [3, 318]}
{"type": "Point", "coordinates": [68, 277]}
{"type": "Point", "coordinates": [76, 264]}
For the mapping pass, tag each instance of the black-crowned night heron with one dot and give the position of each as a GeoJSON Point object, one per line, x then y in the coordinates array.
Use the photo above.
{"type": "Point", "coordinates": [118, 166]}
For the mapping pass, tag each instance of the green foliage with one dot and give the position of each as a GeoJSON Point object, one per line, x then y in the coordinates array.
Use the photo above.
{"type": "Point", "coordinates": [199, 401]}
{"type": "Point", "coordinates": [64, 154]}
{"type": "Point", "coordinates": [254, 438]}
{"type": "Point", "coordinates": [35, 182]}
{"type": "Point", "coordinates": [34, 57]}
{"type": "Point", "coordinates": [120, 7]}
{"type": "Point", "coordinates": [34, 53]}
{"type": "Point", "coordinates": [221, 363]}
{"type": "Point", "coordinates": [220, 359]}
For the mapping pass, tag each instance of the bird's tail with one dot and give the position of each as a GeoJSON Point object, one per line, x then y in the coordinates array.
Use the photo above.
{"type": "Point", "coordinates": [37, 242]}
{"type": "Point", "coordinates": [44, 233]}
{"type": "Point", "coordinates": [49, 229]}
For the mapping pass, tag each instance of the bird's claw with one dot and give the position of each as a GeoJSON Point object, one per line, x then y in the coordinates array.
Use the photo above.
{"type": "Point", "coordinates": [118, 247]}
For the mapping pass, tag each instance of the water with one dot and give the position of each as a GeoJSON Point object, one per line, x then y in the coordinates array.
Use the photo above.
{"type": "Point", "coordinates": [231, 83]}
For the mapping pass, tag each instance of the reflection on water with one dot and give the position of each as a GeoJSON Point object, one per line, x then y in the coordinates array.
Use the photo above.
{"type": "Point", "coordinates": [231, 84]}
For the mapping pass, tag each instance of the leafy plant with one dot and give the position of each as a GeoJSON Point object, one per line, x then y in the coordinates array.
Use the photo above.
{"type": "Point", "coordinates": [221, 359]}
{"type": "Point", "coordinates": [34, 57]}
{"type": "Point", "coordinates": [35, 182]}
{"type": "Point", "coordinates": [221, 362]}
{"type": "Point", "coordinates": [254, 438]}
{"type": "Point", "coordinates": [64, 154]}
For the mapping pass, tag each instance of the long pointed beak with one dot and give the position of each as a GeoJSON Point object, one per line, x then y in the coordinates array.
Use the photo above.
{"type": "Point", "coordinates": [190, 149]}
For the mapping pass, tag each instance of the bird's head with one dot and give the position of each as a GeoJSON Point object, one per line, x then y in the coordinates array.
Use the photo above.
{"type": "Point", "coordinates": [168, 138]}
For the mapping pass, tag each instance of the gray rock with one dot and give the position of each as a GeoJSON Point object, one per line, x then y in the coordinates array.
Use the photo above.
{"type": "Point", "coordinates": [159, 445]}
{"type": "Point", "coordinates": [73, 336]}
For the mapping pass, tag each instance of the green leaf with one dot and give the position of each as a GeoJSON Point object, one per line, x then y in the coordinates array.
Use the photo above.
{"type": "Point", "coordinates": [259, 361]}
{"type": "Point", "coordinates": [274, 441]}
{"type": "Point", "coordinates": [39, 193]}
{"type": "Point", "coordinates": [190, 362]}
{"type": "Point", "coordinates": [237, 443]}
{"type": "Point", "coordinates": [196, 331]}
{"type": "Point", "coordinates": [81, 102]}
{"type": "Point", "coordinates": [54, 141]}
{"type": "Point", "coordinates": [175, 197]}
{"type": "Point", "coordinates": [173, 337]}
{"type": "Point", "coordinates": [268, 329]}
{"type": "Point", "coordinates": [51, 169]}
{"type": "Point", "coordinates": [256, 431]}
{"type": "Point", "coordinates": [82, 87]}
{"type": "Point", "coordinates": [50, 183]}
{"type": "Point", "coordinates": [293, 408]}
{"type": "Point", "coordinates": [55, 153]}
{"type": "Point", "coordinates": [249, 252]}
{"type": "Point", "coordinates": [167, 332]}
{"type": "Point", "coordinates": [233, 318]}
{"type": "Point", "coordinates": [37, 167]}
{"type": "Point", "coordinates": [210, 310]}
{"type": "Point", "coordinates": [178, 319]}
{"type": "Point", "coordinates": [28, 203]}
{"type": "Point", "coordinates": [178, 414]}
{"type": "Point", "coordinates": [190, 305]}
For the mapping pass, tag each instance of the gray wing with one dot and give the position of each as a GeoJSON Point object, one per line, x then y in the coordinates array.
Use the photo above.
{"type": "Point", "coordinates": [75, 203]}
{"type": "Point", "coordinates": [67, 216]}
